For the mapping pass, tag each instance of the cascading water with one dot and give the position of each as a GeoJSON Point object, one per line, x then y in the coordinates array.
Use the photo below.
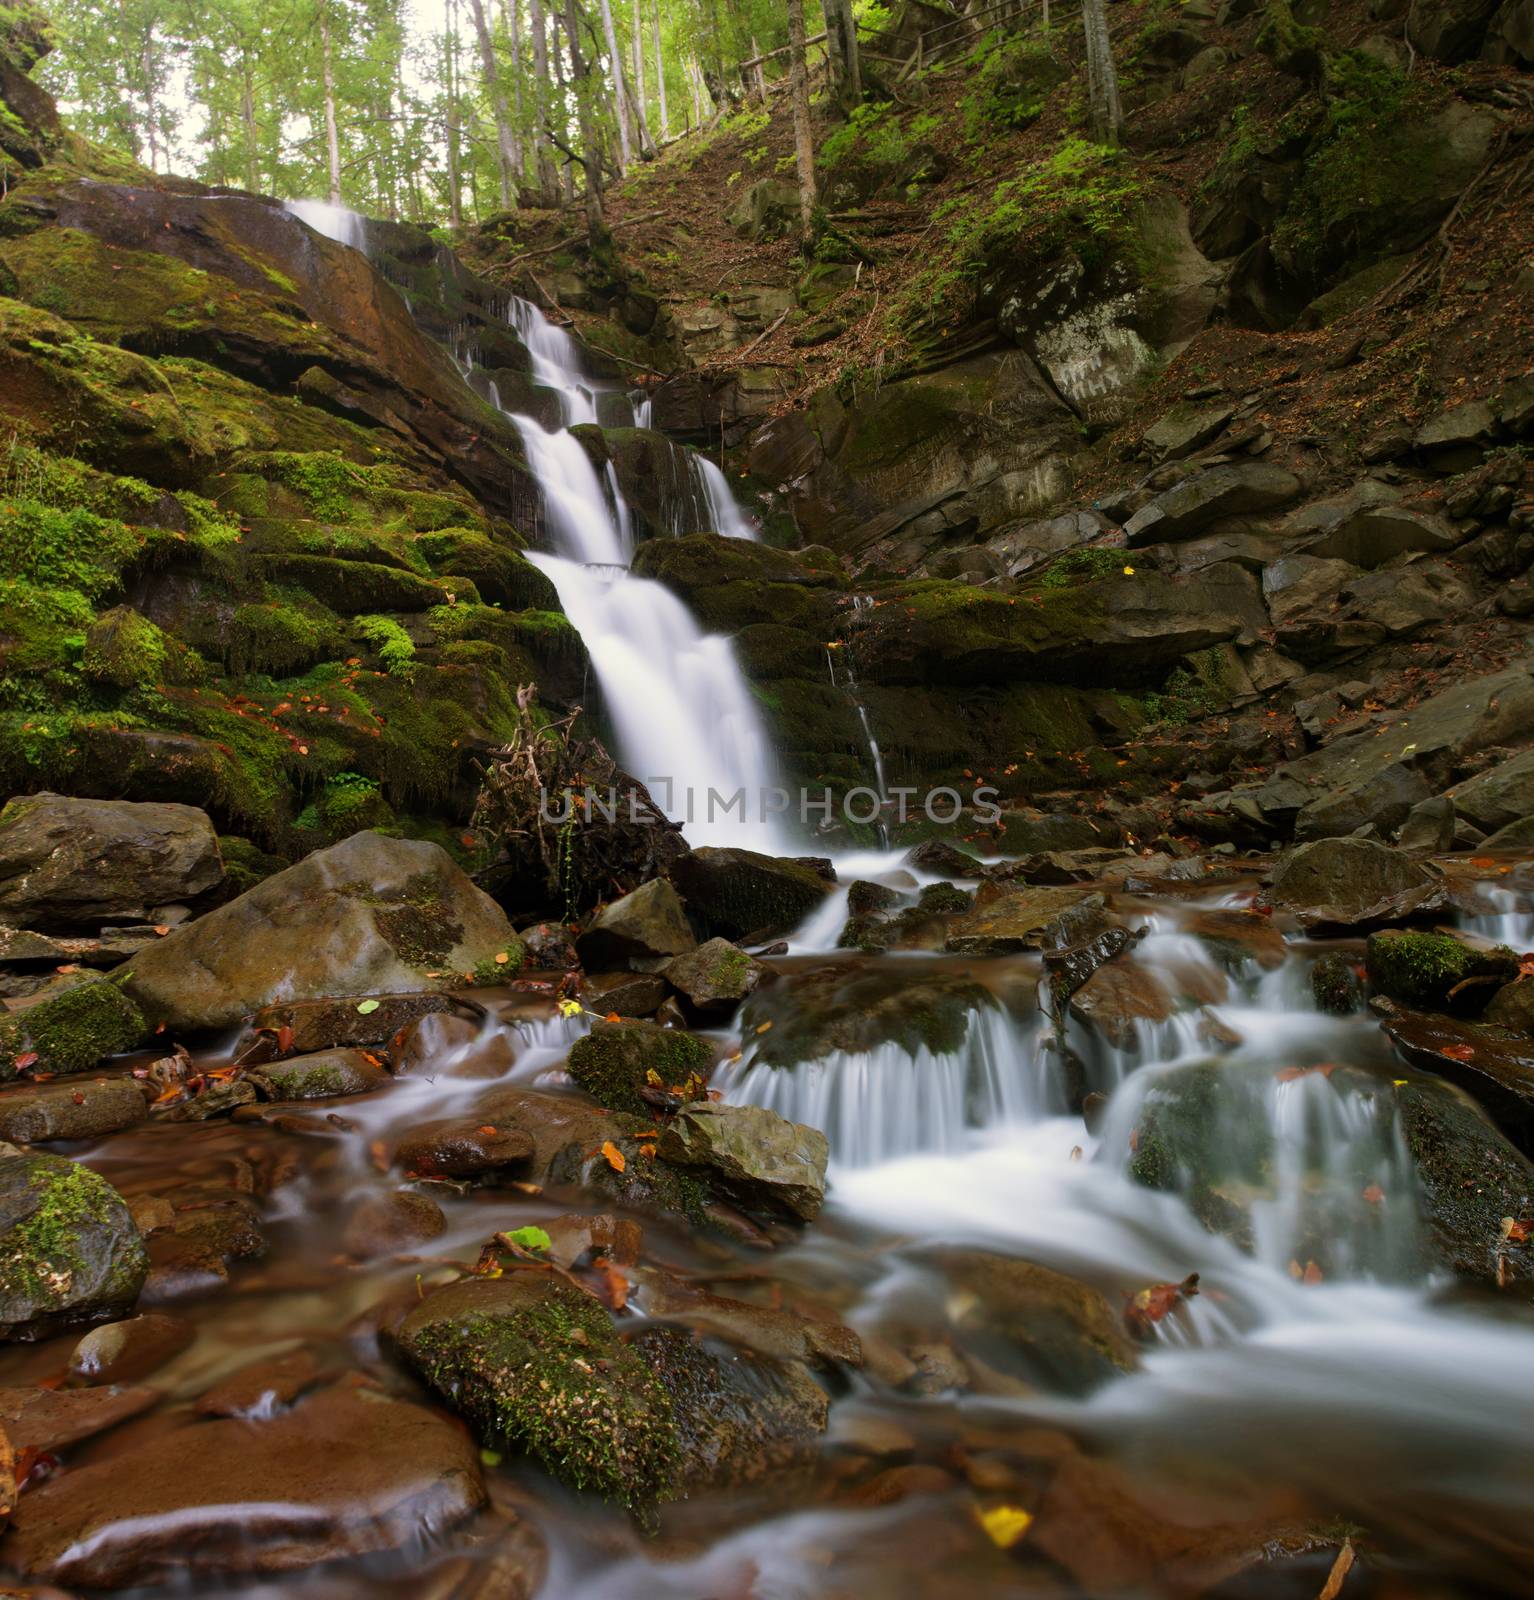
{"type": "Point", "coordinates": [334, 222]}
{"type": "Point", "coordinates": [849, 685]}
{"type": "Point", "coordinates": [682, 714]}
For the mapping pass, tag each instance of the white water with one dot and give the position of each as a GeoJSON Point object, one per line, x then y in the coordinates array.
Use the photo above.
{"type": "Point", "coordinates": [683, 716]}
{"type": "Point", "coordinates": [335, 222]}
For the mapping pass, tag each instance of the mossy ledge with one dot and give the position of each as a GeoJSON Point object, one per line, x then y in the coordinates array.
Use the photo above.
{"type": "Point", "coordinates": [73, 1031]}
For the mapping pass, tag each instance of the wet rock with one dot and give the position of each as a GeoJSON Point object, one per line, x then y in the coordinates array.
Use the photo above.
{"type": "Point", "coordinates": [1061, 1331]}
{"type": "Point", "coordinates": [536, 1365]}
{"type": "Point", "coordinates": [716, 976]}
{"type": "Point", "coordinates": [548, 946]}
{"type": "Point", "coordinates": [72, 1030]}
{"type": "Point", "coordinates": [1494, 1066]}
{"type": "Point", "coordinates": [257, 1390]}
{"type": "Point", "coordinates": [1007, 917]}
{"type": "Point", "coordinates": [577, 1236]}
{"type": "Point", "coordinates": [69, 863]}
{"type": "Point", "coordinates": [46, 1420]}
{"type": "Point", "coordinates": [1429, 826]}
{"type": "Point", "coordinates": [646, 924]}
{"type": "Point", "coordinates": [1117, 997]}
{"type": "Point", "coordinates": [743, 895]}
{"type": "Point", "coordinates": [371, 915]}
{"type": "Point", "coordinates": [858, 1010]}
{"type": "Point", "coordinates": [936, 855]}
{"type": "Point", "coordinates": [462, 1147]}
{"type": "Point", "coordinates": [630, 994]}
{"type": "Point", "coordinates": [321, 1076]}
{"type": "Point", "coordinates": [83, 1110]}
{"type": "Point", "coordinates": [617, 1061]}
{"type": "Point", "coordinates": [1224, 491]}
{"type": "Point", "coordinates": [308, 1026]}
{"type": "Point", "coordinates": [392, 1224]}
{"type": "Point", "coordinates": [1236, 937]}
{"type": "Point", "coordinates": [739, 1418]}
{"type": "Point", "coordinates": [1435, 971]}
{"type": "Point", "coordinates": [123, 1352]}
{"type": "Point", "coordinates": [1336, 985]}
{"type": "Point", "coordinates": [1470, 1179]}
{"type": "Point", "coordinates": [779, 1332]}
{"type": "Point", "coordinates": [1343, 885]}
{"type": "Point", "coordinates": [69, 1252]}
{"type": "Point", "coordinates": [359, 1472]}
{"type": "Point", "coordinates": [1501, 795]}
{"type": "Point", "coordinates": [760, 1159]}
{"type": "Point", "coordinates": [1515, 836]}
{"type": "Point", "coordinates": [1512, 1007]}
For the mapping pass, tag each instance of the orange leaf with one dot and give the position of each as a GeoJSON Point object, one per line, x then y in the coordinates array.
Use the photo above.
{"type": "Point", "coordinates": [69, 966]}
{"type": "Point", "coordinates": [614, 1156]}
{"type": "Point", "coordinates": [1374, 1194]}
{"type": "Point", "coordinates": [284, 1038]}
{"type": "Point", "coordinates": [162, 928]}
{"type": "Point", "coordinates": [486, 1132]}
{"type": "Point", "coordinates": [501, 958]}
{"type": "Point", "coordinates": [1517, 1232]}
{"type": "Point", "coordinates": [612, 1016]}
{"type": "Point", "coordinates": [1459, 1052]}
{"type": "Point", "coordinates": [28, 1058]}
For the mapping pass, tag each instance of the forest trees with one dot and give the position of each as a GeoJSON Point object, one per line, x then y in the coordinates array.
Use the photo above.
{"type": "Point", "coordinates": [424, 109]}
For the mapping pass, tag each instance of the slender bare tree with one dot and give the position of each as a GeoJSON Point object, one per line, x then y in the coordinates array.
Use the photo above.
{"type": "Point", "coordinates": [508, 156]}
{"type": "Point", "coordinates": [332, 134]}
{"type": "Point", "coordinates": [660, 74]}
{"type": "Point", "coordinates": [1106, 112]}
{"type": "Point", "coordinates": [799, 93]}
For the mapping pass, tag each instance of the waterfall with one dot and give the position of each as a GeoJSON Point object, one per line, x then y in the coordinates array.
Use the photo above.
{"type": "Point", "coordinates": [683, 717]}
{"type": "Point", "coordinates": [335, 222]}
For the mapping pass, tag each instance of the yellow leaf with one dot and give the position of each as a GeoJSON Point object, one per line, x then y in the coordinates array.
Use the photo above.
{"type": "Point", "coordinates": [1006, 1524]}
{"type": "Point", "coordinates": [763, 1027]}
{"type": "Point", "coordinates": [614, 1156]}
{"type": "Point", "coordinates": [1129, 572]}
{"type": "Point", "coordinates": [501, 958]}
{"type": "Point", "coordinates": [569, 1008]}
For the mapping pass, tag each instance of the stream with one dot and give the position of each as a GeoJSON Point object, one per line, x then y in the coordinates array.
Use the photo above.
{"type": "Point", "coordinates": [1328, 1380]}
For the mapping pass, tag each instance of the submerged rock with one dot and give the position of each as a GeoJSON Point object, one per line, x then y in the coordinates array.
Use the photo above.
{"type": "Point", "coordinates": [1008, 917]}
{"type": "Point", "coordinates": [345, 1472]}
{"type": "Point", "coordinates": [616, 1061]}
{"type": "Point", "coordinates": [761, 1160]}
{"type": "Point", "coordinates": [69, 1250]}
{"type": "Point", "coordinates": [741, 894]}
{"type": "Point", "coordinates": [1494, 1066]}
{"type": "Point", "coordinates": [67, 862]}
{"type": "Point", "coordinates": [371, 915]}
{"type": "Point", "coordinates": [1341, 885]}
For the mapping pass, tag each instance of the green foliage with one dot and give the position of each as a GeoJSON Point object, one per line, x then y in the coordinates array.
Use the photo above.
{"type": "Point", "coordinates": [1082, 566]}
{"type": "Point", "coordinates": [873, 134]}
{"type": "Point", "coordinates": [395, 647]}
{"type": "Point", "coordinates": [72, 549]}
{"type": "Point", "coordinates": [531, 1238]}
{"type": "Point", "coordinates": [1011, 80]}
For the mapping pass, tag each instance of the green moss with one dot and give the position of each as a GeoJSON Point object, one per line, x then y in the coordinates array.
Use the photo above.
{"type": "Point", "coordinates": [1081, 566]}
{"type": "Point", "coordinates": [41, 1256]}
{"type": "Point", "coordinates": [73, 1031]}
{"type": "Point", "coordinates": [395, 647]}
{"type": "Point", "coordinates": [124, 650]}
{"type": "Point", "coordinates": [552, 1378]}
{"type": "Point", "coordinates": [297, 1081]}
{"type": "Point", "coordinates": [246, 864]}
{"type": "Point", "coordinates": [67, 549]}
{"type": "Point", "coordinates": [492, 970]}
{"type": "Point", "coordinates": [277, 638]}
{"type": "Point", "coordinates": [618, 1059]}
{"type": "Point", "coordinates": [1009, 84]}
{"type": "Point", "coordinates": [1424, 969]}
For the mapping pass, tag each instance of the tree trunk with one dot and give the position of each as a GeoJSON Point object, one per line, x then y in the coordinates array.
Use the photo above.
{"type": "Point", "coordinates": [799, 93]}
{"type": "Point", "coordinates": [512, 10]}
{"type": "Point", "coordinates": [454, 180]}
{"type": "Point", "coordinates": [646, 143]}
{"type": "Point", "coordinates": [332, 136]}
{"type": "Point", "coordinates": [625, 116]}
{"type": "Point", "coordinates": [695, 83]}
{"type": "Point", "coordinates": [759, 78]}
{"type": "Point", "coordinates": [660, 75]}
{"type": "Point", "coordinates": [548, 178]}
{"type": "Point", "coordinates": [591, 144]}
{"type": "Point", "coordinates": [842, 49]}
{"type": "Point", "coordinates": [248, 118]}
{"type": "Point", "coordinates": [505, 143]}
{"type": "Point", "coordinates": [1107, 116]}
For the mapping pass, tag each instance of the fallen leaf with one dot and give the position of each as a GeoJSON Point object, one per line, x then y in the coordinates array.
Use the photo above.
{"type": "Point", "coordinates": [162, 928]}
{"type": "Point", "coordinates": [1374, 1194]}
{"type": "Point", "coordinates": [28, 1058]}
{"type": "Point", "coordinates": [366, 1007]}
{"type": "Point", "coordinates": [501, 958]}
{"type": "Point", "coordinates": [1517, 1231]}
{"type": "Point", "coordinates": [1005, 1525]}
{"type": "Point", "coordinates": [284, 1038]}
{"type": "Point", "coordinates": [761, 1027]}
{"type": "Point", "coordinates": [1149, 1305]}
{"type": "Point", "coordinates": [1459, 1052]}
{"type": "Point", "coordinates": [614, 1156]}
{"type": "Point", "coordinates": [1341, 1567]}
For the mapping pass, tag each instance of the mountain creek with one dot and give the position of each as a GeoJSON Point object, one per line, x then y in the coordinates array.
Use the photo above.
{"type": "Point", "coordinates": [674, 938]}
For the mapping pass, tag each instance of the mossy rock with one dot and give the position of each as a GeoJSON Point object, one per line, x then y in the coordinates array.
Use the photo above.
{"type": "Point", "coordinates": [501, 574]}
{"type": "Point", "coordinates": [245, 863]}
{"type": "Point", "coordinates": [616, 1060]}
{"type": "Point", "coordinates": [1335, 984]}
{"type": "Point", "coordinates": [73, 1031]}
{"type": "Point", "coordinates": [276, 638]}
{"type": "Point", "coordinates": [69, 1250]}
{"type": "Point", "coordinates": [323, 1075]}
{"type": "Point", "coordinates": [536, 1365]}
{"type": "Point", "coordinates": [742, 894]}
{"type": "Point", "coordinates": [124, 650]}
{"type": "Point", "coordinates": [353, 587]}
{"type": "Point", "coordinates": [1435, 971]}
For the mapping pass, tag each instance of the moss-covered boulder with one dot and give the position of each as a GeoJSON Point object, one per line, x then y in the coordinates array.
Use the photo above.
{"type": "Point", "coordinates": [69, 1250]}
{"type": "Point", "coordinates": [1436, 971]}
{"type": "Point", "coordinates": [618, 1060]}
{"type": "Point", "coordinates": [71, 1031]}
{"type": "Point", "coordinates": [742, 894]}
{"type": "Point", "coordinates": [536, 1365]}
{"type": "Point", "coordinates": [1335, 984]}
{"type": "Point", "coordinates": [369, 916]}
{"type": "Point", "coordinates": [322, 1075]}
{"type": "Point", "coordinates": [715, 977]}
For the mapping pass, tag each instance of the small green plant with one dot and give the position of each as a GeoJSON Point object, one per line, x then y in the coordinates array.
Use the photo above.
{"type": "Point", "coordinates": [1011, 81]}
{"type": "Point", "coordinates": [1082, 566]}
{"type": "Point", "coordinates": [395, 647]}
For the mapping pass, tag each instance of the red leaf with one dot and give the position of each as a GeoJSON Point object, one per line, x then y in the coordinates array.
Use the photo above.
{"type": "Point", "coordinates": [1146, 1308]}
{"type": "Point", "coordinates": [1459, 1052]}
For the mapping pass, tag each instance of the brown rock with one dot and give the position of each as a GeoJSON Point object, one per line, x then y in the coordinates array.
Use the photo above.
{"type": "Point", "coordinates": [382, 1225]}
{"type": "Point", "coordinates": [119, 1352]}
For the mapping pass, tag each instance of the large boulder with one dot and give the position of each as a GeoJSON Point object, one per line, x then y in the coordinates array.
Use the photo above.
{"type": "Point", "coordinates": [368, 916]}
{"type": "Point", "coordinates": [1436, 970]}
{"type": "Point", "coordinates": [1449, 30]}
{"type": "Point", "coordinates": [1234, 489]}
{"type": "Point", "coordinates": [70, 1030]}
{"type": "Point", "coordinates": [35, 1114]}
{"type": "Point", "coordinates": [1343, 885]}
{"type": "Point", "coordinates": [762, 1160]}
{"type": "Point", "coordinates": [1503, 794]}
{"type": "Point", "coordinates": [345, 1472]}
{"type": "Point", "coordinates": [69, 1250]}
{"type": "Point", "coordinates": [616, 1061]}
{"type": "Point", "coordinates": [68, 863]}
{"type": "Point", "coordinates": [646, 924]}
{"type": "Point", "coordinates": [742, 894]}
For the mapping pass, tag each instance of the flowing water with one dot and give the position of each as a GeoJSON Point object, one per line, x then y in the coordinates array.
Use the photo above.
{"type": "Point", "coordinates": [1327, 1381]}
